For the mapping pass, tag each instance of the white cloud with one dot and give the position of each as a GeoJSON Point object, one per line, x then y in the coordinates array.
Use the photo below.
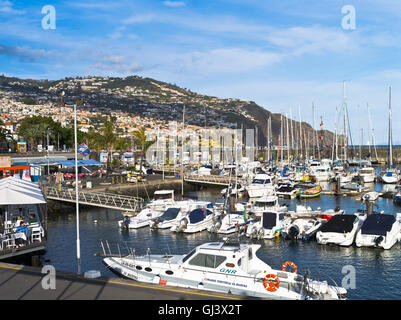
{"type": "Point", "coordinates": [174, 3]}
{"type": "Point", "coordinates": [7, 7]}
{"type": "Point", "coordinates": [225, 60]}
{"type": "Point", "coordinates": [313, 39]}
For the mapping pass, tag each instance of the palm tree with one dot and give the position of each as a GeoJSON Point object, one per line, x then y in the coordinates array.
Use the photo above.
{"type": "Point", "coordinates": [109, 140]}
{"type": "Point", "coordinates": [141, 141]}
{"type": "Point", "coordinates": [122, 144]}
{"type": "Point", "coordinates": [31, 134]}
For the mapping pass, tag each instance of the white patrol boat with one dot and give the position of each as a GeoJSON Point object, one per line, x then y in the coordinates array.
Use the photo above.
{"type": "Point", "coordinates": [229, 267]}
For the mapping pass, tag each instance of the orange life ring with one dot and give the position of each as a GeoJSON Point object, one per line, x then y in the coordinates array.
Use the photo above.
{"type": "Point", "coordinates": [271, 282]}
{"type": "Point", "coordinates": [290, 263]}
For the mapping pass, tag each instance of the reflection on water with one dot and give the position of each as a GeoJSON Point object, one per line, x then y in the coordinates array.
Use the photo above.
{"type": "Point", "coordinates": [378, 272]}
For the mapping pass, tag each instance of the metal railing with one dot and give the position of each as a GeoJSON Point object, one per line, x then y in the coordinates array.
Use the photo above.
{"type": "Point", "coordinates": [212, 179]}
{"type": "Point", "coordinates": [105, 200]}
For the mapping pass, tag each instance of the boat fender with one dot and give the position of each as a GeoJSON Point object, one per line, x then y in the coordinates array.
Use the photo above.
{"type": "Point", "coordinates": [291, 264]}
{"type": "Point", "coordinates": [271, 282]}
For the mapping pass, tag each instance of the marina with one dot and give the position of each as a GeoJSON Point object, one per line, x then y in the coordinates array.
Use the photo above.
{"type": "Point", "coordinates": [100, 225]}
{"type": "Point", "coordinates": [192, 150]}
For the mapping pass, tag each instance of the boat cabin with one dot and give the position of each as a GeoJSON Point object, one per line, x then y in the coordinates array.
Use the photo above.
{"type": "Point", "coordinates": [163, 195]}
{"type": "Point", "coordinates": [261, 179]}
{"type": "Point", "coordinates": [231, 258]}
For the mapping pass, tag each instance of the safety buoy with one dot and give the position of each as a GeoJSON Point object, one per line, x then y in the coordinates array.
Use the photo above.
{"type": "Point", "coordinates": [290, 263]}
{"type": "Point", "coordinates": [271, 282]}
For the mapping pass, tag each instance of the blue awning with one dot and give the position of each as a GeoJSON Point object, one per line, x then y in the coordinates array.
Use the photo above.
{"type": "Point", "coordinates": [85, 162]}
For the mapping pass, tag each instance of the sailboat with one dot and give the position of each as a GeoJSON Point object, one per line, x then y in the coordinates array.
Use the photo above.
{"type": "Point", "coordinates": [391, 175]}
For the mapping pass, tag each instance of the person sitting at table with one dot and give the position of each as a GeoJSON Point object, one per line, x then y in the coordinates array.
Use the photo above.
{"type": "Point", "coordinates": [32, 219]}
{"type": "Point", "coordinates": [19, 220]}
{"type": "Point", "coordinates": [22, 228]}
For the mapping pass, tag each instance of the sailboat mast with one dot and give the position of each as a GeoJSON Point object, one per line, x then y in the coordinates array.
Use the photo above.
{"type": "Point", "coordinates": [345, 126]}
{"type": "Point", "coordinates": [314, 128]}
{"type": "Point", "coordinates": [369, 141]}
{"type": "Point", "coordinates": [288, 139]}
{"type": "Point", "coordinates": [390, 135]}
{"type": "Point", "coordinates": [292, 134]}
{"type": "Point", "coordinates": [300, 131]}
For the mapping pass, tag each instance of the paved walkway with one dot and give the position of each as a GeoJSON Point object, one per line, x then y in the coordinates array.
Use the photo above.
{"type": "Point", "coordinates": [21, 282]}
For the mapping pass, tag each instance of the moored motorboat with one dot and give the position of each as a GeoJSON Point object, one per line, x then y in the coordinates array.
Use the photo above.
{"type": "Point", "coordinates": [142, 219]}
{"type": "Point", "coordinates": [310, 193]}
{"type": "Point", "coordinates": [197, 220]}
{"type": "Point", "coordinates": [270, 226]}
{"type": "Point", "coordinates": [379, 230]}
{"type": "Point", "coordinates": [229, 267]}
{"type": "Point", "coordinates": [341, 229]}
{"type": "Point", "coordinates": [302, 228]}
{"type": "Point", "coordinates": [266, 203]}
{"type": "Point", "coordinates": [260, 186]}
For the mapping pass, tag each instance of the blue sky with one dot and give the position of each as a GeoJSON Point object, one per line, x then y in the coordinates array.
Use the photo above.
{"type": "Point", "coordinates": [280, 54]}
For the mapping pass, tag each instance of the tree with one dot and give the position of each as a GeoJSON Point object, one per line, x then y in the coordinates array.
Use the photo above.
{"type": "Point", "coordinates": [109, 139]}
{"type": "Point", "coordinates": [142, 143]}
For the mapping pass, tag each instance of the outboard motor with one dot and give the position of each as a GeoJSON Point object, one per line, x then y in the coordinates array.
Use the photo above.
{"type": "Point", "coordinates": [254, 233]}
{"type": "Point", "coordinates": [293, 232]}
{"type": "Point", "coordinates": [154, 223]}
{"type": "Point", "coordinates": [379, 240]}
{"type": "Point", "coordinates": [126, 222]}
{"type": "Point", "coordinates": [183, 225]}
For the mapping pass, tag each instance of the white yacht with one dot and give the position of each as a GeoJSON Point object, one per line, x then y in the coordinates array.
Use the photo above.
{"type": "Point", "coordinates": [197, 220]}
{"type": "Point", "coordinates": [379, 230]}
{"type": "Point", "coordinates": [204, 170]}
{"type": "Point", "coordinates": [175, 213]}
{"type": "Point", "coordinates": [224, 267]}
{"type": "Point", "coordinates": [367, 174]}
{"type": "Point", "coordinates": [302, 211]}
{"type": "Point", "coordinates": [270, 226]}
{"type": "Point", "coordinates": [390, 176]}
{"type": "Point", "coordinates": [142, 219]}
{"type": "Point", "coordinates": [302, 228]}
{"type": "Point", "coordinates": [266, 203]}
{"type": "Point", "coordinates": [232, 222]}
{"type": "Point", "coordinates": [345, 177]}
{"type": "Point", "coordinates": [162, 199]}
{"type": "Point", "coordinates": [340, 229]}
{"type": "Point", "coordinates": [322, 173]}
{"type": "Point", "coordinates": [286, 190]}
{"type": "Point", "coordinates": [262, 185]}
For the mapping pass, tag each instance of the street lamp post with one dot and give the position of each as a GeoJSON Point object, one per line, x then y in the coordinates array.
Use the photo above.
{"type": "Point", "coordinates": [76, 189]}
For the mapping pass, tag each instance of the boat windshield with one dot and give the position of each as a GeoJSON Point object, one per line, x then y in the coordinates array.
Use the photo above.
{"type": "Point", "coordinates": [261, 181]}
{"type": "Point", "coordinates": [269, 220]}
{"type": "Point", "coordinates": [170, 214]}
{"type": "Point", "coordinates": [265, 204]}
{"type": "Point", "coordinates": [198, 215]}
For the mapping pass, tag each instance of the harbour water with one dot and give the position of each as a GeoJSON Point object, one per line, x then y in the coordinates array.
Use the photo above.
{"type": "Point", "coordinates": [377, 271]}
